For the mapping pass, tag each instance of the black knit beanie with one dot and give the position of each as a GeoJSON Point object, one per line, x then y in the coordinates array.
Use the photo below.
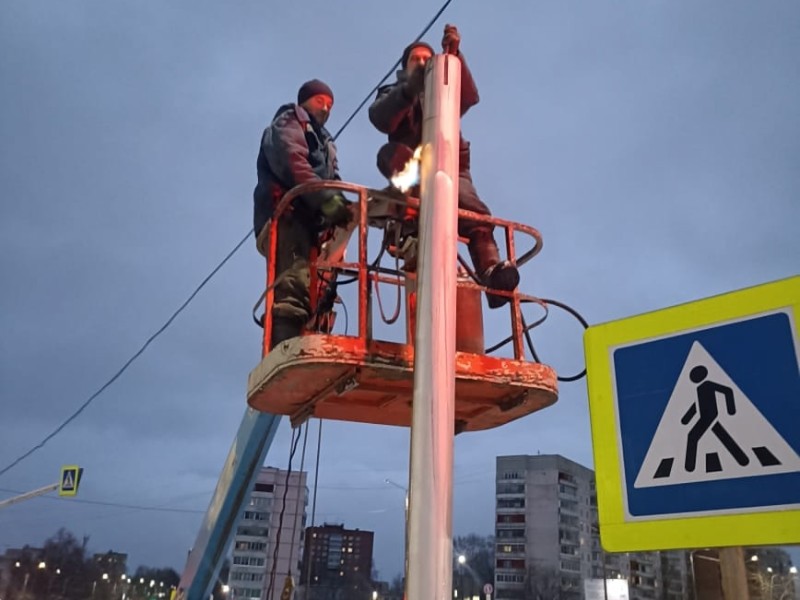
{"type": "Point", "coordinates": [312, 88]}
{"type": "Point", "coordinates": [410, 47]}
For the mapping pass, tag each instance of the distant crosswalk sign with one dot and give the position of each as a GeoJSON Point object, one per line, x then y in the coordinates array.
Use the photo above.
{"type": "Point", "coordinates": [70, 480]}
{"type": "Point", "coordinates": [695, 413]}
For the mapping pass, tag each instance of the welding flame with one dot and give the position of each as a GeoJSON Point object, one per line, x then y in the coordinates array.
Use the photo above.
{"type": "Point", "coordinates": [408, 177]}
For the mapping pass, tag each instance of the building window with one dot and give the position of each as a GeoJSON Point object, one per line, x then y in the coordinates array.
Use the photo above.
{"type": "Point", "coordinates": [511, 549]}
{"type": "Point", "coordinates": [260, 501]}
{"type": "Point", "coordinates": [252, 531]}
{"type": "Point", "coordinates": [566, 477]}
{"type": "Point", "coordinates": [264, 487]}
{"type": "Point", "coordinates": [253, 546]}
{"type": "Point", "coordinates": [516, 518]}
{"type": "Point", "coordinates": [510, 533]}
{"type": "Point", "coordinates": [254, 515]}
{"type": "Point", "coordinates": [567, 490]}
{"type": "Point", "coordinates": [510, 488]}
{"type": "Point", "coordinates": [511, 503]}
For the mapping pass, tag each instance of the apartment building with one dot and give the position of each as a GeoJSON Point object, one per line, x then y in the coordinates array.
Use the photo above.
{"type": "Point", "coordinates": [269, 536]}
{"type": "Point", "coordinates": [547, 538]}
{"type": "Point", "coordinates": [337, 562]}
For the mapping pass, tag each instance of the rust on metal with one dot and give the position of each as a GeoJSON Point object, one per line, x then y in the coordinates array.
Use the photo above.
{"type": "Point", "coordinates": [300, 377]}
{"type": "Point", "coordinates": [360, 379]}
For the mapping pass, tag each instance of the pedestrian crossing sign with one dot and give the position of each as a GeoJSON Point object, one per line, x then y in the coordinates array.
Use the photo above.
{"type": "Point", "coordinates": [70, 480]}
{"type": "Point", "coordinates": [695, 415]}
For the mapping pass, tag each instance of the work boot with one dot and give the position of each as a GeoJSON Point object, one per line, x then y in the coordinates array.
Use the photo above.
{"type": "Point", "coordinates": [492, 272]}
{"type": "Point", "coordinates": [284, 329]}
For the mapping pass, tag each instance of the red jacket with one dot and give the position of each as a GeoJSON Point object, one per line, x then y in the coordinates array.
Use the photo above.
{"type": "Point", "coordinates": [395, 113]}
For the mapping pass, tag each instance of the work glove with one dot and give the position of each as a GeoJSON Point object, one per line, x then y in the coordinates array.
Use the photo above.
{"type": "Point", "coordinates": [415, 83]}
{"type": "Point", "coordinates": [451, 39]}
{"type": "Point", "coordinates": [335, 211]}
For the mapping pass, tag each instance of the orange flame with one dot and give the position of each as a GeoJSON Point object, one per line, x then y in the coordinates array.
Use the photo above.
{"type": "Point", "coordinates": [408, 177]}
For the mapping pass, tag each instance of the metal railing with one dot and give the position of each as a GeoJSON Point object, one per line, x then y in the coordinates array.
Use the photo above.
{"type": "Point", "coordinates": [365, 272]}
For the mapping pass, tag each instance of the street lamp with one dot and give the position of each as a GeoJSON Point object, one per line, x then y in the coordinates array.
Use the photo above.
{"type": "Point", "coordinates": [754, 558]}
{"type": "Point", "coordinates": [405, 528]}
{"type": "Point", "coordinates": [42, 565]}
{"type": "Point", "coordinates": [793, 570]}
{"type": "Point", "coordinates": [461, 561]}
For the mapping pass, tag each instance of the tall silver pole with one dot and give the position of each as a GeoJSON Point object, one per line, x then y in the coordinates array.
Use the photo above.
{"type": "Point", "coordinates": [430, 534]}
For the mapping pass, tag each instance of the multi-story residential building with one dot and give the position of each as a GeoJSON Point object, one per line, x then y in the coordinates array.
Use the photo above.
{"type": "Point", "coordinates": [268, 539]}
{"type": "Point", "coordinates": [337, 562]}
{"type": "Point", "coordinates": [548, 539]}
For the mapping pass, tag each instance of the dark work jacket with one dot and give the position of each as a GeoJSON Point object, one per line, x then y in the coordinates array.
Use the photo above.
{"type": "Point", "coordinates": [294, 150]}
{"type": "Point", "coordinates": [400, 116]}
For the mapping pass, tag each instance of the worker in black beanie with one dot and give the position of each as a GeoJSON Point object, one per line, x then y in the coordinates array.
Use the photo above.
{"type": "Point", "coordinates": [296, 148]}
{"type": "Point", "coordinates": [313, 88]}
{"type": "Point", "coordinates": [397, 112]}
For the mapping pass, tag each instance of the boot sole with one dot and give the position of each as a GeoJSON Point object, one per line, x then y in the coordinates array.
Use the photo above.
{"type": "Point", "coordinates": [506, 279]}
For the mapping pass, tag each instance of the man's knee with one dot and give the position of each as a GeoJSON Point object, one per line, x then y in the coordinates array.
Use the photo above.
{"type": "Point", "coordinates": [292, 298]}
{"type": "Point", "coordinates": [468, 197]}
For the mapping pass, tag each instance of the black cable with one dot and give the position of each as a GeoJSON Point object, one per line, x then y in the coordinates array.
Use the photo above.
{"type": "Point", "coordinates": [293, 449]}
{"type": "Point", "coordinates": [314, 503]}
{"type": "Point", "coordinates": [392, 70]}
{"type": "Point", "coordinates": [527, 328]}
{"type": "Point", "coordinates": [346, 316]}
{"type": "Point", "coordinates": [130, 360]}
{"type": "Point", "coordinates": [582, 321]}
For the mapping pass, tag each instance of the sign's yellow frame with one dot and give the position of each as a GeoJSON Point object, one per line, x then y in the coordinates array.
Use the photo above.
{"type": "Point", "coordinates": [621, 534]}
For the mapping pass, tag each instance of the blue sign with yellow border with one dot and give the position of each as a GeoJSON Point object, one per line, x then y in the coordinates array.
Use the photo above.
{"type": "Point", "coordinates": [694, 422]}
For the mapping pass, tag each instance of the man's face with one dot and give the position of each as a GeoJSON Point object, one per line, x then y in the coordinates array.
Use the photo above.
{"type": "Point", "coordinates": [417, 59]}
{"type": "Point", "coordinates": [319, 107]}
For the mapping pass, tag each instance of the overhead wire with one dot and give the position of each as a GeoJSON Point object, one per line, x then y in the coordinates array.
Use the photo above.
{"type": "Point", "coordinates": [128, 363]}
{"type": "Point", "coordinates": [292, 450]}
{"type": "Point", "coordinates": [112, 504]}
{"type": "Point", "coordinates": [213, 272]}
{"type": "Point", "coordinates": [390, 71]}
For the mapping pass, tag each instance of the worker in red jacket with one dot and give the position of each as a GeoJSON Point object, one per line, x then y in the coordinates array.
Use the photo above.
{"type": "Point", "coordinates": [397, 112]}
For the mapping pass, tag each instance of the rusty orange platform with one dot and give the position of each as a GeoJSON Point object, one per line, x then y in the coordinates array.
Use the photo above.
{"type": "Point", "coordinates": [349, 379]}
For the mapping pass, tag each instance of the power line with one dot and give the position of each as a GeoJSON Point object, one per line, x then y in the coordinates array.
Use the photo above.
{"type": "Point", "coordinates": [191, 297]}
{"type": "Point", "coordinates": [390, 71]}
{"type": "Point", "coordinates": [112, 504]}
{"type": "Point", "coordinates": [141, 350]}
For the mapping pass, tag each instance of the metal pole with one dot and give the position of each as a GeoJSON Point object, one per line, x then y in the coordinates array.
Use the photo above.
{"type": "Point", "coordinates": [28, 495]}
{"type": "Point", "coordinates": [430, 572]}
{"type": "Point", "coordinates": [734, 576]}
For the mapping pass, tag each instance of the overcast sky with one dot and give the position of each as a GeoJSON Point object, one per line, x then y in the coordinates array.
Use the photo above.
{"type": "Point", "coordinates": [656, 146]}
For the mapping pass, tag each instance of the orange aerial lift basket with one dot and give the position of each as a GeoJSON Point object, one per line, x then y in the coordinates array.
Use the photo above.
{"type": "Point", "coordinates": [363, 379]}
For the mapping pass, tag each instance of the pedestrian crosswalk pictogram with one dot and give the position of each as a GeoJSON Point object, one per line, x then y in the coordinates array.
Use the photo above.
{"type": "Point", "coordinates": [70, 480]}
{"type": "Point", "coordinates": [711, 430]}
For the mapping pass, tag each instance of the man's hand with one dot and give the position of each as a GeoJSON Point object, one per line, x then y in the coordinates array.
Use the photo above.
{"type": "Point", "coordinates": [335, 211]}
{"type": "Point", "coordinates": [451, 39]}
